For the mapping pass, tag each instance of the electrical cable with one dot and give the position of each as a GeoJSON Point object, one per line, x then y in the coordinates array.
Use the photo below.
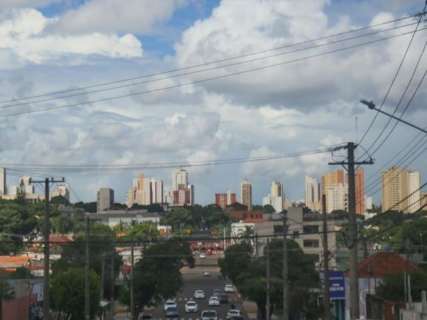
{"type": "Point", "coordinates": [191, 83]}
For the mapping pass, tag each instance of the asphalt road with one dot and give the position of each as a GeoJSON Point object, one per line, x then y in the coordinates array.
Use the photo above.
{"type": "Point", "coordinates": [193, 280]}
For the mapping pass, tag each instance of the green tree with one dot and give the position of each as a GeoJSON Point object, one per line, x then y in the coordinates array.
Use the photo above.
{"type": "Point", "coordinates": [143, 232]}
{"type": "Point", "coordinates": [157, 275]}
{"type": "Point", "coordinates": [6, 293]}
{"type": "Point", "coordinates": [67, 293]}
{"type": "Point", "coordinates": [392, 287]}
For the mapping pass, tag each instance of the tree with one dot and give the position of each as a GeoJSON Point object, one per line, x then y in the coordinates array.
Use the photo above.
{"type": "Point", "coordinates": [86, 206]}
{"type": "Point", "coordinates": [248, 274]}
{"type": "Point", "coordinates": [392, 287]}
{"type": "Point", "coordinates": [157, 275]}
{"type": "Point", "coordinates": [6, 293]}
{"type": "Point", "coordinates": [143, 232]}
{"type": "Point", "coordinates": [68, 293]}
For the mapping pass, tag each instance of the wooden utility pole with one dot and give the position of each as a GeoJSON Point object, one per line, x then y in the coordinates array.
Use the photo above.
{"type": "Point", "coordinates": [326, 306]}
{"type": "Point", "coordinates": [46, 248]}
{"type": "Point", "coordinates": [132, 297]}
{"type": "Point", "coordinates": [353, 244]}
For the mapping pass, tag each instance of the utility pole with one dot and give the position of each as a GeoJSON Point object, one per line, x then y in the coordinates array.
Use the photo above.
{"type": "Point", "coordinates": [267, 304]}
{"type": "Point", "coordinates": [87, 285]}
{"type": "Point", "coordinates": [112, 279]}
{"type": "Point", "coordinates": [326, 307]}
{"type": "Point", "coordinates": [46, 248]}
{"type": "Point", "coordinates": [132, 298]}
{"type": "Point", "coordinates": [285, 267]}
{"type": "Point", "coordinates": [353, 244]}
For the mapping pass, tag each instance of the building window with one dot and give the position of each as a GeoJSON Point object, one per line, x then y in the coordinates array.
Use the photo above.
{"type": "Point", "coordinates": [311, 229]}
{"type": "Point", "coordinates": [311, 243]}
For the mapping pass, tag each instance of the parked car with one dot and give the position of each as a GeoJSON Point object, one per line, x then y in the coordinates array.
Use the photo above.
{"type": "Point", "coordinates": [216, 292]}
{"type": "Point", "coordinates": [213, 301]}
{"type": "Point", "coordinates": [199, 294]}
{"type": "Point", "coordinates": [209, 315]}
{"type": "Point", "coordinates": [229, 288]}
{"type": "Point", "coordinates": [202, 256]}
{"type": "Point", "coordinates": [206, 274]}
{"type": "Point", "coordinates": [233, 313]}
{"type": "Point", "coordinates": [170, 303]}
{"type": "Point", "coordinates": [191, 306]}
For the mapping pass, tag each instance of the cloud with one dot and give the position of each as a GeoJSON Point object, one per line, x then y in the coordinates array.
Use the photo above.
{"type": "Point", "coordinates": [137, 16]}
{"type": "Point", "coordinates": [236, 29]}
{"type": "Point", "coordinates": [23, 33]}
{"type": "Point", "coordinates": [13, 4]}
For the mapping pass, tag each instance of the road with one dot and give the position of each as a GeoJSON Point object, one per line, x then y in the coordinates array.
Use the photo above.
{"type": "Point", "coordinates": [194, 279]}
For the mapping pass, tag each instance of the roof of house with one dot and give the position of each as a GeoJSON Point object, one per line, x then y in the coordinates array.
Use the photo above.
{"type": "Point", "coordinates": [384, 263]}
{"type": "Point", "coordinates": [13, 261]}
{"type": "Point", "coordinates": [59, 238]}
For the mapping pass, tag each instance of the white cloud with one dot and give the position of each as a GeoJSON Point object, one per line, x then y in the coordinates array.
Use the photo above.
{"type": "Point", "coordinates": [23, 33]}
{"type": "Point", "coordinates": [137, 16]}
{"type": "Point", "coordinates": [13, 4]}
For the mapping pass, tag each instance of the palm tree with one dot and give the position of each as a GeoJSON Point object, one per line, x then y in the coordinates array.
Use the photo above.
{"type": "Point", "coordinates": [6, 293]}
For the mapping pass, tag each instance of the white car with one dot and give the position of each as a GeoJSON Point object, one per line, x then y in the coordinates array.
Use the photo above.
{"type": "Point", "coordinates": [199, 294]}
{"type": "Point", "coordinates": [191, 306]}
{"type": "Point", "coordinates": [170, 303]}
{"type": "Point", "coordinates": [229, 288]}
{"type": "Point", "coordinates": [209, 315]}
{"type": "Point", "coordinates": [206, 274]}
{"type": "Point", "coordinates": [213, 301]}
{"type": "Point", "coordinates": [233, 313]}
{"type": "Point", "coordinates": [202, 256]}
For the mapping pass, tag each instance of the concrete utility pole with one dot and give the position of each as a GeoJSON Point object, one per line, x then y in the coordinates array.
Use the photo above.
{"type": "Point", "coordinates": [87, 262]}
{"type": "Point", "coordinates": [353, 245]}
{"type": "Point", "coordinates": [46, 248]}
{"type": "Point", "coordinates": [326, 307]}
{"type": "Point", "coordinates": [112, 278]}
{"type": "Point", "coordinates": [267, 304]}
{"type": "Point", "coordinates": [285, 267]}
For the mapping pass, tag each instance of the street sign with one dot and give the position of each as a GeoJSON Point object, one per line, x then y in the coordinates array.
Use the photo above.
{"type": "Point", "coordinates": [336, 285]}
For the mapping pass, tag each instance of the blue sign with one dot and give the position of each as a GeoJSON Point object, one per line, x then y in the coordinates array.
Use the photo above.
{"type": "Point", "coordinates": [336, 285]}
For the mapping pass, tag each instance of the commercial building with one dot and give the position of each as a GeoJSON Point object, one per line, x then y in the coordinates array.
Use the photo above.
{"type": "Point", "coordinates": [312, 193]}
{"type": "Point", "coordinates": [182, 193]}
{"type": "Point", "coordinates": [400, 189]}
{"type": "Point", "coordinates": [179, 179]}
{"type": "Point", "coordinates": [104, 199]}
{"type": "Point", "coordinates": [246, 194]}
{"type": "Point", "coordinates": [124, 217]}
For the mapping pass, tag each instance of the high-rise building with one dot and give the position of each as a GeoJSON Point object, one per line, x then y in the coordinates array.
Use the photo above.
{"type": "Point", "coordinates": [223, 200]}
{"type": "Point", "coordinates": [182, 192]}
{"type": "Point", "coordinates": [231, 198]}
{"type": "Point", "coordinates": [400, 190]}
{"type": "Point", "coordinates": [3, 189]}
{"type": "Point", "coordinates": [179, 179]}
{"type": "Point", "coordinates": [105, 199]}
{"type": "Point", "coordinates": [145, 191]}
{"type": "Point", "coordinates": [276, 189]}
{"type": "Point", "coordinates": [61, 191]}
{"type": "Point", "coordinates": [312, 193]}
{"type": "Point", "coordinates": [246, 194]}
{"type": "Point", "coordinates": [414, 192]}
{"type": "Point", "coordinates": [334, 187]}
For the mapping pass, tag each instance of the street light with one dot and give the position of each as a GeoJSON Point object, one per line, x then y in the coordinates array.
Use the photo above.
{"type": "Point", "coordinates": [371, 105]}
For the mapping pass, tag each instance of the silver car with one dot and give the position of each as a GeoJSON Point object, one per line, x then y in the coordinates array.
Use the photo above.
{"type": "Point", "coordinates": [209, 315]}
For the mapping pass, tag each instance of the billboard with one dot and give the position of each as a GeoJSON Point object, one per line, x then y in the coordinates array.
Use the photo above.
{"type": "Point", "coordinates": [336, 285]}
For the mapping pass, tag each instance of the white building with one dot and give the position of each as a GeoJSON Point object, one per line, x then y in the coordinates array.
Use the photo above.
{"type": "Point", "coordinates": [145, 191]}
{"type": "Point", "coordinates": [414, 192]}
{"type": "Point", "coordinates": [61, 191]}
{"type": "Point", "coordinates": [3, 188]}
{"type": "Point", "coordinates": [113, 218]}
{"type": "Point", "coordinates": [276, 197]}
{"type": "Point", "coordinates": [312, 193]}
{"type": "Point", "coordinates": [179, 179]}
{"type": "Point", "coordinates": [336, 197]}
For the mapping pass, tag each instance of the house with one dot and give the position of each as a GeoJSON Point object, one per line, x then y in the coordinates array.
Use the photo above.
{"type": "Point", "coordinates": [372, 271]}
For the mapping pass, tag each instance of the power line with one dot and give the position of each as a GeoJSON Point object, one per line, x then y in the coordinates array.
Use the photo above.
{"type": "Point", "coordinates": [394, 77]}
{"type": "Point", "coordinates": [102, 84]}
{"type": "Point", "coordinates": [224, 76]}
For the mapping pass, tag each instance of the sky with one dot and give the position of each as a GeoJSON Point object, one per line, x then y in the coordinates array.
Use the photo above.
{"type": "Point", "coordinates": [74, 45]}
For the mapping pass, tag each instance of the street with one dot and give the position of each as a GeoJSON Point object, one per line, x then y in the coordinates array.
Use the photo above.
{"type": "Point", "coordinates": [193, 280]}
